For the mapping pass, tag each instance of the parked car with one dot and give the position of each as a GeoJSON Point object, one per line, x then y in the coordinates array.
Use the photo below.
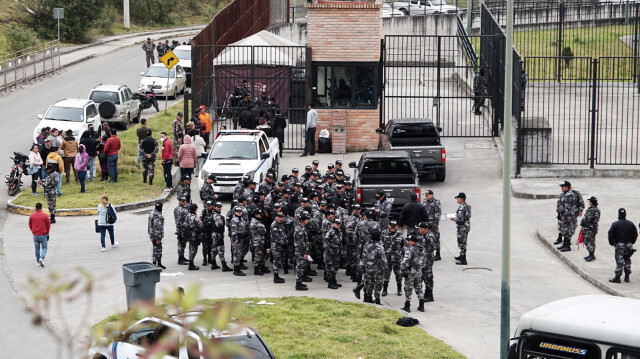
{"type": "Point", "coordinates": [425, 7]}
{"type": "Point", "coordinates": [156, 78]}
{"type": "Point", "coordinates": [116, 104]}
{"type": "Point", "coordinates": [421, 139]}
{"type": "Point", "coordinates": [390, 171]}
{"type": "Point", "coordinates": [389, 11]}
{"type": "Point", "coordinates": [134, 341]}
{"type": "Point", "coordinates": [70, 114]}
{"type": "Point", "coordinates": [236, 153]}
{"type": "Point", "coordinates": [184, 55]}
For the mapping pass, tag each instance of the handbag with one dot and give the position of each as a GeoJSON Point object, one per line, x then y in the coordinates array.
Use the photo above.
{"type": "Point", "coordinates": [32, 170]}
{"type": "Point", "coordinates": [97, 228]}
{"type": "Point", "coordinates": [580, 238]}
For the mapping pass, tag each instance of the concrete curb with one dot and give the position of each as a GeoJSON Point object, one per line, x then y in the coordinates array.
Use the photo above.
{"type": "Point", "coordinates": [581, 272]}
{"type": "Point", "coordinates": [70, 212]}
{"type": "Point", "coordinates": [524, 195]}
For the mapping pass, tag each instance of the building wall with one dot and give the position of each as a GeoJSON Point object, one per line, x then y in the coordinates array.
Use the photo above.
{"type": "Point", "coordinates": [360, 128]}
{"type": "Point", "coordinates": [278, 11]}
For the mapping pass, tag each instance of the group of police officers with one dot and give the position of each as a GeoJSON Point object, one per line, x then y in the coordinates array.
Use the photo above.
{"type": "Point", "coordinates": [308, 218]}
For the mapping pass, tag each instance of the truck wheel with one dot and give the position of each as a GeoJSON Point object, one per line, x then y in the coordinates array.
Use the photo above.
{"type": "Point", "coordinates": [440, 175]}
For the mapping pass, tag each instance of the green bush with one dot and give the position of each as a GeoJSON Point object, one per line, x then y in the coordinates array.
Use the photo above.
{"type": "Point", "coordinates": [152, 11]}
{"type": "Point", "coordinates": [79, 17]}
{"type": "Point", "coordinates": [19, 38]}
{"type": "Point", "coordinates": [105, 20]}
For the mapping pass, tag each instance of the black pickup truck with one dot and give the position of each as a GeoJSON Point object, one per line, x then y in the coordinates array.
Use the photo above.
{"type": "Point", "coordinates": [392, 172]}
{"type": "Point", "coordinates": [421, 139]}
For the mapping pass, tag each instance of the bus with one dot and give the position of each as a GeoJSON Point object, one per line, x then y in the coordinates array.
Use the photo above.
{"type": "Point", "coordinates": [582, 327]}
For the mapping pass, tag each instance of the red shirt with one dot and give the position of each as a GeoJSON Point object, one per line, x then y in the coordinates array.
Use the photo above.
{"type": "Point", "coordinates": [112, 146]}
{"type": "Point", "coordinates": [167, 150]}
{"type": "Point", "coordinates": [39, 223]}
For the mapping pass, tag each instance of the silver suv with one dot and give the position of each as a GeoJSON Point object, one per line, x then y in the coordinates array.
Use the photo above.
{"type": "Point", "coordinates": [116, 104]}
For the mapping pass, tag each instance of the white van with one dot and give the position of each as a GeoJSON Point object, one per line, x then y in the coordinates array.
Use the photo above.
{"type": "Point", "coordinates": [585, 327]}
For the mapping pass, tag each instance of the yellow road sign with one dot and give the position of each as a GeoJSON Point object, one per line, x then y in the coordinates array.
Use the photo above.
{"type": "Point", "coordinates": [169, 59]}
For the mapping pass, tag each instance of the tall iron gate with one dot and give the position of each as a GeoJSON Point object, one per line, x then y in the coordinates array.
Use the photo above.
{"type": "Point", "coordinates": [431, 77]}
{"type": "Point", "coordinates": [280, 71]}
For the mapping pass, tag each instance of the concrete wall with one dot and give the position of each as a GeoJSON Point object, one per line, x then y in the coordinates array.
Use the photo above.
{"type": "Point", "coordinates": [278, 10]}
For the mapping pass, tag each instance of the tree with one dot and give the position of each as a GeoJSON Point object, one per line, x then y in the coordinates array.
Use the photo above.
{"type": "Point", "coordinates": [79, 17]}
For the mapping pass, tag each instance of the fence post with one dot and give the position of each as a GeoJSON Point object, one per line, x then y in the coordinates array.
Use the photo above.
{"type": "Point", "coordinates": [636, 40]}
{"type": "Point", "coordinates": [559, 40]}
{"type": "Point", "coordinates": [381, 78]}
{"type": "Point", "coordinates": [439, 69]}
{"type": "Point", "coordinates": [594, 112]}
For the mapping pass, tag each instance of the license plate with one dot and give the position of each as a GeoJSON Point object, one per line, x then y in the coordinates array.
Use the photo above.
{"type": "Point", "coordinates": [226, 189]}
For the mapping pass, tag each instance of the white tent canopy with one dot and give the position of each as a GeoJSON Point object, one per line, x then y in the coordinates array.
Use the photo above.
{"type": "Point", "coordinates": [263, 48]}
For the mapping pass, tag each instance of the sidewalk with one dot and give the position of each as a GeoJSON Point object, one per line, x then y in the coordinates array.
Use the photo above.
{"type": "Point", "coordinates": [612, 193]}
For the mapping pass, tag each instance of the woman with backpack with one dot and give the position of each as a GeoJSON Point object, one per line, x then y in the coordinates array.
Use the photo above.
{"type": "Point", "coordinates": [106, 218]}
{"type": "Point", "coordinates": [80, 165]}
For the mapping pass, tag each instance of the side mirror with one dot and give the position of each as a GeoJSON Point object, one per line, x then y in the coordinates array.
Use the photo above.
{"type": "Point", "coordinates": [39, 117]}
{"type": "Point", "coordinates": [379, 131]}
{"type": "Point", "coordinates": [264, 156]}
{"type": "Point", "coordinates": [142, 73]}
{"type": "Point", "coordinates": [418, 164]}
{"type": "Point", "coordinates": [352, 165]}
{"type": "Point", "coordinates": [439, 129]}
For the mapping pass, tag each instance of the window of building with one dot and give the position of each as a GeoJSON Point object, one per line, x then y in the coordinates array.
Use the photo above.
{"type": "Point", "coordinates": [345, 85]}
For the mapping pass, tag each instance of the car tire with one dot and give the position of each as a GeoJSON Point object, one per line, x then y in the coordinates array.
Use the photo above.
{"type": "Point", "coordinates": [441, 175]}
{"type": "Point", "coordinates": [137, 118]}
{"type": "Point", "coordinates": [175, 93]}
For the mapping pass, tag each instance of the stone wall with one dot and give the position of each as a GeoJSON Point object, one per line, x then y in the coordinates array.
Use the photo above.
{"type": "Point", "coordinates": [360, 128]}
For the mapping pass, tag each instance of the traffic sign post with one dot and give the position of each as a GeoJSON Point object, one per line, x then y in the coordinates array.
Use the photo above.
{"type": "Point", "coordinates": [169, 59]}
{"type": "Point", "coordinates": [58, 13]}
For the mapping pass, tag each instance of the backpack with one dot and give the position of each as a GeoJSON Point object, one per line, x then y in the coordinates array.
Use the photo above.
{"type": "Point", "coordinates": [111, 215]}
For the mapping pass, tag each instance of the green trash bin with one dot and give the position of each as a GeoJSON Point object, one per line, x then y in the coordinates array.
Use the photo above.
{"type": "Point", "coordinates": [140, 280]}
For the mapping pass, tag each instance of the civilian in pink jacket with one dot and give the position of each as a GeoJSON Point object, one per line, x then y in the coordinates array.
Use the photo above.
{"type": "Point", "coordinates": [80, 165]}
{"type": "Point", "coordinates": [187, 156]}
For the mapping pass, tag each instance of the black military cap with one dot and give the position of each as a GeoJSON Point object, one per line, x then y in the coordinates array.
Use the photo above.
{"type": "Point", "coordinates": [308, 168]}
{"type": "Point", "coordinates": [337, 220]}
{"type": "Point", "coordinates": [297, 184]}
{"type": "Point", "coordinates": [414, 196]}
{"type": "Point", "coordinates": [339, 162]}
{"type": "Point", "coordinates": [193, 206]}
{"type": "Point", "coordinates": [181, 199]}
{"type": "Point", "coordinates": [245, 178]}
{"type": "Point", "coordinates": [423, 225]}
{"type": "Point", "coordinates": [338, 186]}
{"type": "Point", "coordinates": [279, 214]}
{"type": "Point", "coordinates": [412, 238]}
{"type": "Point", "coordinates": [319, 181]}
{"type": "Point", "coordinates": [315, 162]}
{"type": "Point", "coordinates": [339, 173]}
{"type": "Point", "coordinates": [280, 183]}
{"type": "Point", "coordinates": [49, 167]}
{"type": "Point", "coordinates": [212, 177]}
{"type": "Point", "coordinates": [218, 204]}
{"type": "Point", "coordinates": [315, 173]}
{"type": "Point", "coordinates": [313, 195]}
{"type": "Point", "coordinates": [242, 199]}
{"type": "Point", "coordinates": [303, 217]}
{"type": "Point", "coordinates": [323, 203]}
{"type": "Point", "coordinates": [252, 183]}
{"type": "Point", "coordinates": [264, 91]}
{"type": "Point", "coordinates": [245, 81]}
{"type": "Point", "coordinates": [237, 209]}
{"type": "Point", "coordinates": [305, 199]}
{"type": "Point", "coordinates": [269, 175]}
{"type": "Point", "coordinates": [331, 177]}
{"type": "Point", "coordinates": [294, 170]}
{"type": "Point", "coordinates": [330, 165]}
{"type": "Point", "coordinates": [380, 194]}
{"type": "Point", "coordinates": [593, 199]}
{"type": "Point", "coordinates": [186, 177]}
{"type": "Point", "coordinates": [393, 223]}
{"type": "Point", "coordinates": [287, 191]}
{"type": "Point", "coordinates": [256, 211]}
{"type": "Point", "coordinates": [347, 183]}
{"type": "Point", "coordinates": [347, 177]}
{"type": "Point", "coordinates": [284, 178]}
{"type": "Point", "coordinates": [275, 197]}
{"type": "Point", "coordinates": [331, 213]}
{"type": "Point", "coordinates": [461, 195]}
{"type": "Point", "coordinates": [355, 206]}
{"type": "Point", "coordinates": [180, 114]}
{"type": "Point", "coordinates": [565, 184]}
{"type": "Point", "coordinates": [209, 203]}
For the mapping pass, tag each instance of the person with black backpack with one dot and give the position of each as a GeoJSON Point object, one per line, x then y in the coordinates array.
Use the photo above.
{"type": "Point", "coordinates": [107, 217]}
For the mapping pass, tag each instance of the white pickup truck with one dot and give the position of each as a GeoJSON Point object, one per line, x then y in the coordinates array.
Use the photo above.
{"type": "Point", "coordinates": [424, 7]}
{"type": "Point", "coordinates": [236, 153]}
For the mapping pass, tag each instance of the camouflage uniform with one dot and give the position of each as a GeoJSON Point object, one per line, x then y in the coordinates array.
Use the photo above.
{"type": "Point", "coordinates": [266, 187]}
{"type": "Point", "coordinates": [623, 254]}
{"type": "Point", "coordinates": [362, 233]}
{"type": "Point", "coordinates": [192, 230]}
{"type": "Point", "coordinates": [383, 209]}
{"type": "Point", "coordinates": [148, 164]}
{"type": "Point", "coordinates": [206, 217]}
{"type": "Point", "coordinates": [428, 241]}
{"type": "Point", "coordinates": [290, 250]}
{"type": "Point", "coordinates": [217, 247]}
{"type": "Point", "coordinates": [207, 193]}
{"type": "Point", "coordinates": [50, 185]}
{"type": "Point", "coordinates": [178, 133]}
{"type": "Point", "coordinates": [331, 244]}
{"type": "Point", "coordinates": [184, 191]}
{"type": "Point", "coordinates": [179, 214]}
{"type": "Point", "coordinates": [301, 243]}
{"type": "Point", "coordinates": [589, 225]}
{"type": "Point", "coordinates": [412, 264]}
{"type": "Point", "coordinates": [155, 228]}
{"type": "Point", "coordinates": [567, 209]}
{"type": "Point", "coordinates": [246, 241]}
{"type": "Point", "coordinates": [148, 48]}
{"type": "Point", "coordinates": [237, 233]}
{"type": "Point", "coordinates": [394, 244]}
{"type": "Point", "coordinates": [238, 191]}
{"type": "Point", "coordinates": [375, 268]}
{"type": "Point", "coordinates": [352, 245]}
{"type": "Point", "coordinates": [463, 225]}
{"type": "Point", "coordinates": [434, 211]}
{"type": "Point", "coordinates": [258, 233]}
{"type": "Point", "coordinates": [278, 244]}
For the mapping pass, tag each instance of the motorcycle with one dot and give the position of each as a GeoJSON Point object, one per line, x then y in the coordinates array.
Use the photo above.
{"type": "Point", "coordinates": [147, 98]}
{"type": "Point", "coordinates": [14, 179]}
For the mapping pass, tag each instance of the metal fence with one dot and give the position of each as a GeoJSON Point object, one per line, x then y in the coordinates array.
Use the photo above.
{"type": "Point", "coordinates": [28, 65]}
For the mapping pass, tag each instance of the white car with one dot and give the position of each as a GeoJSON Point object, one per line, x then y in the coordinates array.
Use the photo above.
{"type": "Point", "coordinates": [116, 104]}
{"type": "Point", "coordinates": [70, 114]}
{"type": "Point", "coordinates": [389, 11]}
{"type": "Point", "coordinates": [156, 78]}
{"type": "Point", "coordinates": [184, 55]}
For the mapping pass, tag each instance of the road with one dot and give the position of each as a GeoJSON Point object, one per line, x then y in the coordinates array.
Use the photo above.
{"type": "Point", "coordinates": [19, 109]}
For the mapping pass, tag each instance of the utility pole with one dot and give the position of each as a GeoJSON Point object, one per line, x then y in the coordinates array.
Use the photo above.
{"type": "Point", "coordinates": [127, 23]}
{"type": "Point", "coordinates": [505, 273]}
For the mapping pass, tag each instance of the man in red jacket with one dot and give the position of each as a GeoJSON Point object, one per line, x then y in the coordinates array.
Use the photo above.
{"type": "Point", "coordinates": [111, 149]}
{"type": "Point", "coordinates": [39, 224]}
{"type": "Point", "coordinates": [167, 160]}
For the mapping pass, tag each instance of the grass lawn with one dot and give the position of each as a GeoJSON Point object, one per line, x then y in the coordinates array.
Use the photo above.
{"type": "Point", "coordinates": [303, 327]}
{"type": "Point", "coordinates": [129, 187]}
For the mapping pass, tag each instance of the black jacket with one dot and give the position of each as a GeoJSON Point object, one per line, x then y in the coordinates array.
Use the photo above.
{"type": "Point", "coordinates": [91, 145]}
{"type": "Point", "coordinates": [247, 119]}
{"type": "Point", "coordinates": [412, 213]}
{"type": "Point", "coordinates": [622, 231]}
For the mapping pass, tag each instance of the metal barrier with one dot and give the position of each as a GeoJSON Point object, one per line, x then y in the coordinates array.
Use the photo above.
{"type": "Point", "coordinates": [28, 65]}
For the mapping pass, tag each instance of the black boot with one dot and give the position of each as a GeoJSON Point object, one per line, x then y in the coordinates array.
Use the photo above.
{"type": "Point", "coordinates": [193, 266]}
{"type": "Point", "coordinates": [204, 259]}
{"type": "Point", "coordinates": [265, 269]}
{"type": "Point", "coordinates": [377, 301]}
{"type": "Point", "coordinates": [53, 218]}
{"type": "Point", "coordinates": [384, 289]}
{"type": "Point", "coordinates": [160, 264]}
{"type": "Point", "coordinates": [458, 257]}
{"type": "Point", "coordinates": [566, 245]}
{"type": "Point", "coordinates": [348, 271]}
{"type": "Point", "coordinates": [336, 282]}
{"type": "Point", "coordinates": [150, 180]}
{"type": "Point", "coordinates": [559, 240]}
{"type": "Point", "coordinates": [214, 265]}
{"type": "Point", "coordinates": [332, 283]}
{"type": "Point", "coordinates": [615, 279]}
{"type": "Point", "coordinates": [399, 284]}
{"type": "Point", "coordinates": [307, 279]}
{"type": "Point", "coordinates": [462, 260]}
{"type": "Point", "coordinates": [237, 271]}
{"type": "Point", "coordinates": [285, 269]}
{"type": "Point", "coordinates": [626, 277]}
{"type": "Point", "coordinates": [312, 273]}
{"type": "Point", "coordinates": [428, 295]}
{"type": "Point", "coordinates": [243, 267]}
{"type": "Point", "coordinates": [407, 307]}
{"type": "Point", "coordinates": [225, 267]}
{"type": "Point", "coordinates": [590, 257]}
{"type": "Point", "coordinates": [182, 261]}
{"type": "Point", "coordinates": [437, 256]}
{"type": "Point", "coordinates": [301, 286]}
{"type": "Point", "coordinates": [325, 276]}
{"type": "Point", "coordinates": [368, 298]}
{"type": "Point", "coordinates": [257, 270]}
{"type": "Point", "coordinates": [421, 305]}
{"type": "Point", "coordinates": [357, 290]}
{"type": "Point", "coordinates": [144, 178]}
{"type": "Point", "coordinates": [277, 279]}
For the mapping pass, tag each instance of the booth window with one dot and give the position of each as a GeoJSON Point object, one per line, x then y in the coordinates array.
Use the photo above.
{"type": "Point", "coordinates": [345, 85]}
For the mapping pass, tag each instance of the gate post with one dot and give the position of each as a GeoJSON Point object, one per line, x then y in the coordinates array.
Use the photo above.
{"type": "Point", "coordinates": [436, 101]}
{"type": "Point", "coordinates": [381, 77]}
{"type": "Point", "coordinates": [594, 112]}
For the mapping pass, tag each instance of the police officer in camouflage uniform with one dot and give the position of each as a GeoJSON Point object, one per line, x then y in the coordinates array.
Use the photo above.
{"type": "Point", "coordinates": [568, 209]}
{"type": "Point", "coordinates": [237, 233]}
{"type": "Point", "coordinates": [278, 244]}
{"type": "Point", "coordinates": [148, 149]}
{"type": "Point", "coordinates": [193, 232]}
{"type": "Point", "coordinates": [217, 247]}
{"type": "Point", "coordinates": [180, 214]}
{"type": "Point", "coordinates": [148, 48]}
{"type": "Point", "coordinates": [206, 217]}
{"type": "Point", "coordinates": [463, 225]}
{"type": "Point", "coordinates": [412, 264]}
{"type": "Point", "coordinates": [50, 186]}
{"type": "Point", "coordinates": [375, 267]}
{"type": "Point", "coordinates": [258, 237]}
{"type": "Point", "coordinates": [351, 241]}
{"type": "Point", "coordinates": [622, 235]}
{"type": "Point", "coordinates": [362, 237]}
{"type": "Point", "coordinates": [382, 208]}
{"type": "Point", "coordinates": [241, 186]}
{"type": "Point", "coordinates": [434, 211]}
{"type": "Point", "coordinates": [332, 240]}
{"type": "Point", "coordinates": [178, 134]}
{"type": "Point", "coordinates": [155, 228]}
{"type": "Point", "coordinates": [302, 251]}
{"type": "Point", "coordinates": [589, 225]}
{"type": "Point", "coordinates": [184, 188]}
{"type": "Point", "coordinates": [393, 242]}
{"type": "Point", "coordinates": [207, 193]}
{"type": "Point", "coordinates": [427, 238]}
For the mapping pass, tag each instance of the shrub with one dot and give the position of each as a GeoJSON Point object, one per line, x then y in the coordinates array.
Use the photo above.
{"type": "Point", "coordinates": [19, 38]}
